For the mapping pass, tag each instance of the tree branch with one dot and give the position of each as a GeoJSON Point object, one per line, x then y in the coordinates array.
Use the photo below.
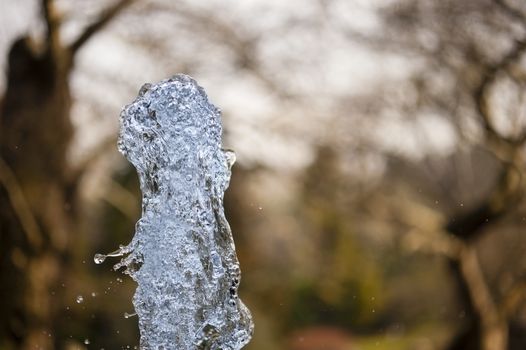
{"type": "Point", "coordinates": [123, 200]}
{"type": "Point", "coordinates": [438, 243]}
{"type": "Point", "coordinates": [509, 189]}
{"type": "Point", "coordinates": [513, 298]}
{"type": "Point", "coordinates": [103, 20]}
{"type": "Point", "coordinates": [493, 316]}
{"type": "Point", "coordinates": [243, 46]}
{"type": "Point", "coordinates": [20, 205]}
{"type": "Point", "coordinates": [481, 101]}
{"type": "Point", "coordinates": [512, 12]}
{"type": "Point", "coordinates": [52, 21]}
{"type": "Point", "coordinates": [102, 148]}
{"type": "Point", "coordinates": [504, 196]}
{"type": "Point", "coordinates": [494, 328]}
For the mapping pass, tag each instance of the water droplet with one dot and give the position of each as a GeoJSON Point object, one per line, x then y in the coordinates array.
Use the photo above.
{"type": "Point", "coordinates": [230, 158]}
{"type": "Point", "coordinates": [99, 258]}
{"type": "Point", "coordinates": [127, 315]}
{"type": "Point", "coordinates": [93, 294]}
{"type": "Point", "coordinates": [80, 299]}
{"type": "Point", "coordinates": [86, 341]}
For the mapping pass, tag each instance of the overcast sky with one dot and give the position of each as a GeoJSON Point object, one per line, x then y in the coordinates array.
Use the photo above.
{"type": "Point", "coordinates": [301, 49]}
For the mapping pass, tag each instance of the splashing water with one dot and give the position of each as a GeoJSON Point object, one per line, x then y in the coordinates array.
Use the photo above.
{"type": "Point", "coordinates": [182, 255]}
{"type": "Point", "coordinates": [127, 315]}
{"type": "Point", "coordinates": [100, 258]}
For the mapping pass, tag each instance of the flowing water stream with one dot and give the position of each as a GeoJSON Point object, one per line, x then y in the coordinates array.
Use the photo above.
{"type": "Point", "coordinates": [182, 255]}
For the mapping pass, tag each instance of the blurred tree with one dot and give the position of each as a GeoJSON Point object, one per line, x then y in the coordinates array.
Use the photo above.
{"type": "Point", "coordinates": [38, 193]}
{"type": "Point", "coordinates": [471, 53]}
{"type": "Point", "coordinates": [338, 278]}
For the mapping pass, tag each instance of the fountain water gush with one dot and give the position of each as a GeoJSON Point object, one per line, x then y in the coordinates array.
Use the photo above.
{"type": "Point", "coordinates": [182, 255]}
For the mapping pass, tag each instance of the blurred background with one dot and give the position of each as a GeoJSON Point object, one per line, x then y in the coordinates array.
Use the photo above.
{"type": "Point", "coordinates": [377, 201]}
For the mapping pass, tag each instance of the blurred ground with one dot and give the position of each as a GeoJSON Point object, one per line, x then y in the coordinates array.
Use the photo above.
{"type": "Point", "coordinates": [377, 201]}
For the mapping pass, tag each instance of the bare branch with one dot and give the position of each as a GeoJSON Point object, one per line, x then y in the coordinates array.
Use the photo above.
{"type": "Point", "coordinates": [52, 26]}
{"type": "Point", "coordinates": [102, 148]}
{"type": "Point", "coordinates": [439, 243]}
{"type": "Point", "coordinates": [123, 200]}
{"type": "Point", "coordinates": [20, 205]}
{"type": "Point", "coordinates": [513, 298]}
{"type": "Point", "coordinates": [512, 12]}
{"type": "Point", "coordinates": [480, 93]}
{"type": "Point", "coordinates": [504, 196]}
{"type": "Point", "coordinates": [105, 18]}
{"type": "Point", "coordinates": [243, 45]}
{"type": "Point", "coordinates": [494, 328]}
{"type": "Point", "coordinates": [492, 316]}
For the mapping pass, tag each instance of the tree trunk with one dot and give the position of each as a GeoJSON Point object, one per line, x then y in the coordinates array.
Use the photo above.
{"type": "Point", "coordinates": [36, 200]}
